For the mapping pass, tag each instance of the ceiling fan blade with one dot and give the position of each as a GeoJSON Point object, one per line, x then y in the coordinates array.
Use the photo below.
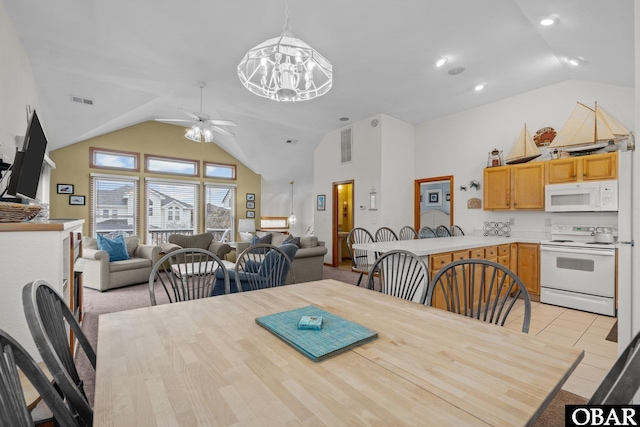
{"type": "Point", "coordinates": [190, 114]}
{"type": "Point", "coordinates": [173, 121]}
{"type": "Point", "coordinates": [222, 122]}
{"type": "Point", "coordinates": [221, 130]}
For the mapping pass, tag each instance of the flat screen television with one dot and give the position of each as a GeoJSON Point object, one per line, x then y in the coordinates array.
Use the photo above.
{"type": "Point", "coordinates": [27, 165]}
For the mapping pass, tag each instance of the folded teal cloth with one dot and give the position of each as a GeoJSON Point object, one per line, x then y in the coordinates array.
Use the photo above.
{"type": "Point", "coordinates": [337, 334]}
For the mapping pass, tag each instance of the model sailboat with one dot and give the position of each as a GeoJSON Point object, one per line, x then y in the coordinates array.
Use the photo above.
{"type": "Point", "coordinates": [524, 149]}
{"type": "Point", "coordinates": [588, 129]}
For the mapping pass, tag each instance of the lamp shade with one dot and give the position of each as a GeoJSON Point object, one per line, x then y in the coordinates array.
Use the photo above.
{"type": "Point", "coordinates": [247, 226]}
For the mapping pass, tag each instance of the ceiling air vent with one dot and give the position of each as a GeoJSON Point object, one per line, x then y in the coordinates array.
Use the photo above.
{"type": "Point", "coordinates": [346, 146]}
{"type": "Point", "coordinates": [80, 100]}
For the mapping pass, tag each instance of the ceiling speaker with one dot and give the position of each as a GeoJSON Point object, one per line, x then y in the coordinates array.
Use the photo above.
{"type": "Point", "coordinates": [374, 122]}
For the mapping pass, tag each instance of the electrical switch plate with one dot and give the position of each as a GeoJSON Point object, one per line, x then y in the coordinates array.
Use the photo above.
{"type": "Point", "coordinates": [547, 222]}
{"type": "Point", "coordinates": [512, 221]}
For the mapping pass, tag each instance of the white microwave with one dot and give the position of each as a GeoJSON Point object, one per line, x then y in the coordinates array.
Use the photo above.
{"type": "Point", "coordinates": [590, 196]}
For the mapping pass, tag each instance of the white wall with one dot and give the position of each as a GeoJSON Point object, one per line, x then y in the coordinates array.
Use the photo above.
{"type": "Point", "coordinates": [458, 144]}
{"type": "Point", "coordinates": [364, 170]}
{"type": "Point", "coordinates": [17, 88]}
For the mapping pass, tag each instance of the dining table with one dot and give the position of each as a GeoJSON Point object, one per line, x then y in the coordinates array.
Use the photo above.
{"type": "Point", "coordinates": [207, 362]}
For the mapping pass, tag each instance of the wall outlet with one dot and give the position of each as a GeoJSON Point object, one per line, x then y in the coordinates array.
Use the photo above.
{"type": "Point", "coordinates": [512, 221]}
{"type": "Point", "coordinates": [547, 222]}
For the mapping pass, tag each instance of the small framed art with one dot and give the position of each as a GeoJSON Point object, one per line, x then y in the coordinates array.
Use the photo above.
{"type": "Point", "coordinates": [434, 197]}
{"type": "Point", "coordinates": [76, 200]}
{"type": "Point", "coordinates": [321, 204]}
{"type": "Point", "coordinates": [251, 197]}
{"type": "Point", "coordinates": [251, 205]}
{"type": "Point", "coordinates": [251, 214]}
{"type": "Point", "coordinates": [65, 189]}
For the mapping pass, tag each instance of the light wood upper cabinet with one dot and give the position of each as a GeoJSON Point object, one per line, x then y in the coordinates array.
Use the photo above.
{"type": "Point", "coordinates": [497, 188]}
{"type": "Point", "coordinates": [593, 167]}
{"type": "Point", "coordinates": [515, 187]}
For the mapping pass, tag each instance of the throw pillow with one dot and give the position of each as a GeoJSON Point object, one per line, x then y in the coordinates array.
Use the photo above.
{"type": "Point", "coordinates": [291, 240]}
{"type": "Point", "coordinates": [255, 240]}
{"type": "Point", "coordinates": [116, 248]}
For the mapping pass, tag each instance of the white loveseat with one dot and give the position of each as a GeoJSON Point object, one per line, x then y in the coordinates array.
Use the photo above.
{"type": "Point", "coordinates": [98, 273]}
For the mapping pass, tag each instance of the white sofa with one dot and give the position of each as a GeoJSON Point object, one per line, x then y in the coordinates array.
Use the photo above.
{"type": "Point", "coordinates": [98, 273]}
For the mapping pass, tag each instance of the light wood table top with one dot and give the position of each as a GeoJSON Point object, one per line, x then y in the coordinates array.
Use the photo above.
{"type": "Point", "coordinates": [206, 362]}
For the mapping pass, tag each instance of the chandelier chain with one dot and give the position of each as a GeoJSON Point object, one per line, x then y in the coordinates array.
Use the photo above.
{"type": "Point", "coordinates": [286, 28]}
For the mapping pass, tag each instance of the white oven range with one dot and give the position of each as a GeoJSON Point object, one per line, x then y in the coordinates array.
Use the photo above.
{"type": "Point", "coordinates": [576, 272]}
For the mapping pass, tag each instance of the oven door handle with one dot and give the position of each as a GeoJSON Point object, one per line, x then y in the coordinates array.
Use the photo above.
{"type": "Point", "coordinates": [602, 252]}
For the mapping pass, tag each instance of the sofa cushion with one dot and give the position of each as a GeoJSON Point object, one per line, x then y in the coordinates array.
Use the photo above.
{"type": "Point", "coordinates": [292, 240]}
{"type": "Point", "coordinates": [308, 242]}
{"type": "Point", "coordinates": [129, 264]}
{"type": "Point", "coordinates": [116, 248]}
{"type": "Point", "coordinates": [201, 241]}
{"type": "Point", "coordinates": [278, 239]}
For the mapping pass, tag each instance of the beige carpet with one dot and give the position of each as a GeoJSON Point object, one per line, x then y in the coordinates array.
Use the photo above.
{"type": "Point", "coordinates": [96, 303]}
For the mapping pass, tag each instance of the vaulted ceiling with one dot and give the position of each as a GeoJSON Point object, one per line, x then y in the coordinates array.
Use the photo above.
{"type": "Point", "coordinates": [141, 60]}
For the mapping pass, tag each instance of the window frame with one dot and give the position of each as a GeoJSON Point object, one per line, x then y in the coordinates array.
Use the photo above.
{"type": "Point", "coordinates": [96, 150]}
{"type": "Point", "coordinates": [234, 169]}
{"type": "Point", "coordinates": [125, 179]}
{"type": "Point", "coordinates": [195, 163]}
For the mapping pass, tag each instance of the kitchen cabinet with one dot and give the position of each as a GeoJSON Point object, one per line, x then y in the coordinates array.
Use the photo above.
{"type": "Point", "coordinates": [586, 168]}
{"type": "Point", "coordinates": [528, 267]}
{"type": "Point", "coordinates": [515, 187]}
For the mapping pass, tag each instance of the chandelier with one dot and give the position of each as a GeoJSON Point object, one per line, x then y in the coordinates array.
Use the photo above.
{"type": "Point", "coordinates": [292, 217]}
{"type": "Point", "coordinates": [285, 68]}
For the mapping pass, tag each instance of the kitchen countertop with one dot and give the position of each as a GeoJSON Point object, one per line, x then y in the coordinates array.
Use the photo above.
{"type": "Point", "coordinates": [425, 247]}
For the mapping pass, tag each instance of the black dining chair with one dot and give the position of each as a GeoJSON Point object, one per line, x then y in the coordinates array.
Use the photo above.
{"type": "Point", "coordinates": [456, 231]}
{"type": "Point", "coordinates": [400, 274]}
{"type": "Point", "coordinates": [359, 257]}
{"type": "Point", "coordinates": [443, 231]}
{"type": "Point", "coordinates": [385, 234]}
{"type": "Point", "coordinates": [188, 274]}
{"type": "Point", "coordinates": [49, 319]}
{"type": "Point", "coordinates": [13, 407]}
{"type": "Point", "coordinates": [622, 382]}
{"type": "Point", "coordinates": [427, 233]}
{"type": "Point", "coordinates": [407, 233]}
{"type": "Point", "coordinates": [481, 289]}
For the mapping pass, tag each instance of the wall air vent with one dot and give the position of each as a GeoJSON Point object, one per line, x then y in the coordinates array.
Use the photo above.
{"type": "Point", "coordinates": [346, 145]}
{"type": "Point", "coordinates": [80, 100]}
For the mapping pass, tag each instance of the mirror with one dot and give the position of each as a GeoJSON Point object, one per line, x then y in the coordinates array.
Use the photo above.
{"type": "Point", "coordinates": [433, 202]}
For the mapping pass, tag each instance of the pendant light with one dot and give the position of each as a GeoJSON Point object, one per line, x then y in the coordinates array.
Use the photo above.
{"type": "Point", "coordinates": [292, 217]}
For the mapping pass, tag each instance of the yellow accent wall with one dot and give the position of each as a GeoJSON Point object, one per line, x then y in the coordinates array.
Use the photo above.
{"type": "Point", "coordinates": [73, 167]}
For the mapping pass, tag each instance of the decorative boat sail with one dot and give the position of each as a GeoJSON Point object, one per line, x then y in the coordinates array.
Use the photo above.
{"type": "Point", "coordinates": [588, 129]}
{"type": "Point", "coordinates": [524, 149]}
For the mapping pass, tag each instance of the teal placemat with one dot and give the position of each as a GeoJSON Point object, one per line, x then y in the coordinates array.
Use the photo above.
{"type": "Point", "coordinates": [337, 334]}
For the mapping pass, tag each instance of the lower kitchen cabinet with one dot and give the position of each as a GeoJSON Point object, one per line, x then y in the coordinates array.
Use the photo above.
{"type": "Point", "coordinates": [528, 267]}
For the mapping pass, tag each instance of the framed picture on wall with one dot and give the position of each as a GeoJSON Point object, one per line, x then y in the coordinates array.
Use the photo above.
{"type": "Point", "coordinates": [448, 197]}
{"type": "Point", "coordinates": [65, 189]}
{"type": "Point", "coordinates": [434, 197]}
{"type": "Point", "coordinates": [251, 197]}
{"type": "Point", "coordinates": [76, 200]}
{"type": "Point", "coordinates": [321, 204]}
{"type": "Point", "coordinates": [251, 214]}
{"type": "Point", "coordinates": [251, 205]}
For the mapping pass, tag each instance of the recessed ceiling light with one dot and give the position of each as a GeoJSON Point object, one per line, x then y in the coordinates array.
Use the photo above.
{"type": "Point", "coordinates": [440, 62]}
{"type": "Point", "coordinates": [455, 71]}
{"type": "Point", "coordinates": [344, 119]}
{"type": "Point", "coordinates": [548, 20]}
{"type": "Point", "coordinates": [480, 87]}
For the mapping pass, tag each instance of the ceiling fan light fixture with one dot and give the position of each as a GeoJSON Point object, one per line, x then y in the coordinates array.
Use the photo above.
{"type": "Point", "coordinates": [548, 21]}
{"type": "Point", "coordinates": [285, 69]}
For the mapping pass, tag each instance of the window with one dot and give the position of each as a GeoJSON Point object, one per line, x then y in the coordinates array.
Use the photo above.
{"type": "Point", "coordinates": [171, 166]}
{"type": "Point", "coordinates": [109, 195]}
{"type": "Point", "coordinates": [173, 208]}
{"type": "Point", "coordinates": [111, 159]}
{"type": "Point", "coordinates": [220, 202]}
{"type": "Point", "coordinates": [219, 170]}
{"type": "Point", "coordinates": [274, 222]}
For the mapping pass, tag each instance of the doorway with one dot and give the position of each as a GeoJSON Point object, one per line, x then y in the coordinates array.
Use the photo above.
{"type": "Point", "coordinates": [342, 220]}
{"type": "Point", "coordinates": [433, 204]}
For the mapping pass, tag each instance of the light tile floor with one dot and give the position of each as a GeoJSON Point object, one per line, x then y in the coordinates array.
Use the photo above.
{"type": "Point", "coordinates": [579, 329]}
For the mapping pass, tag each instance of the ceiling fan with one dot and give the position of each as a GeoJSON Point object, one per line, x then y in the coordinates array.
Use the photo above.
{"type": "Point", "coordinates": [202, 126]}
